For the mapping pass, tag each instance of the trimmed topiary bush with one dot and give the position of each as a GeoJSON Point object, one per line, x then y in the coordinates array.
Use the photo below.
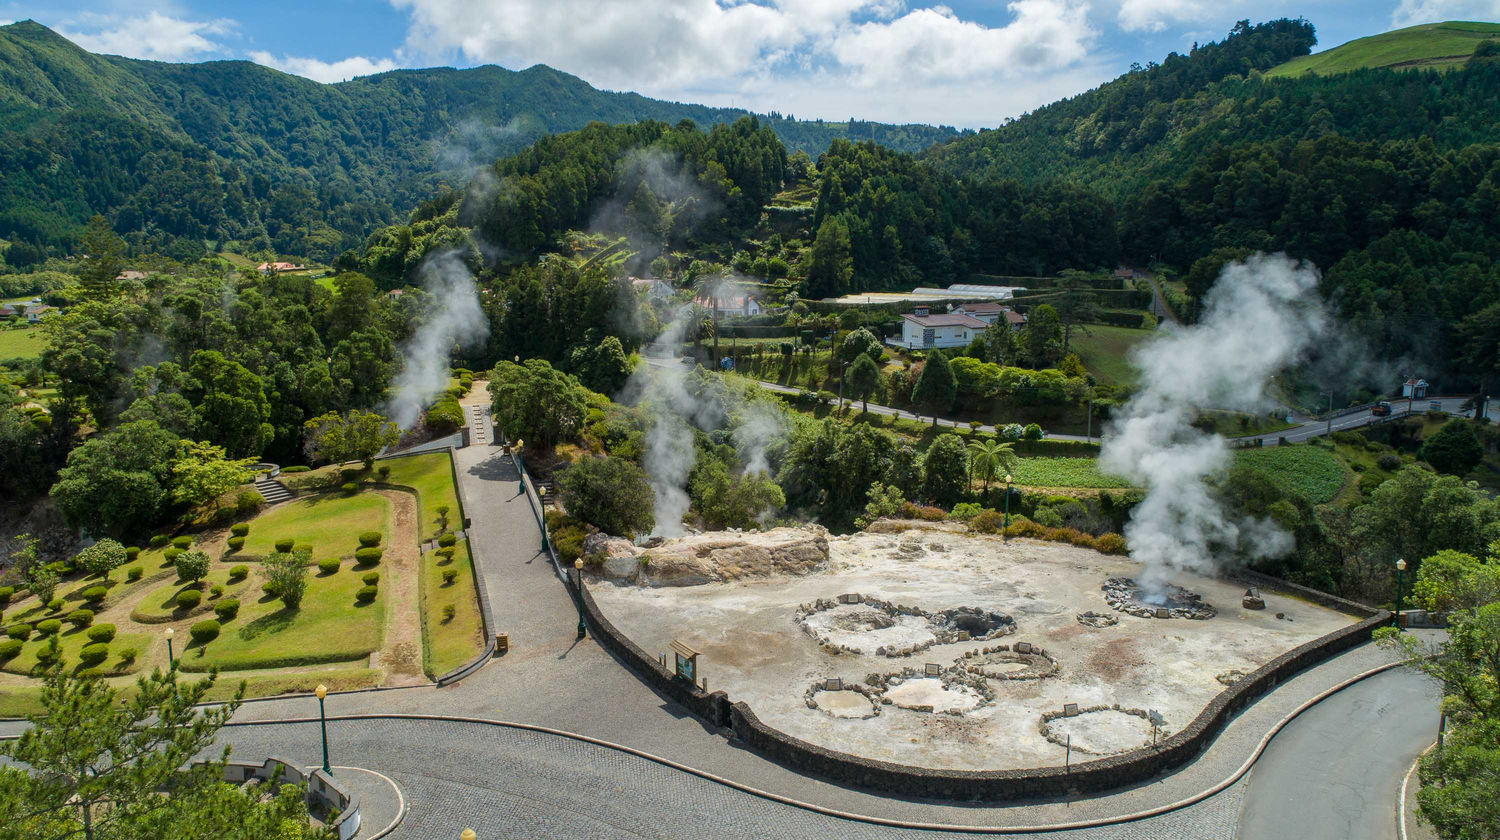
{"type": "Point", "coordinates": [328, 565]}
{"type": "Point", "coordinates": [95, 594]}
{"type": "Point", "coordinates": [227, 609]}
{"type": "Point", "coordinates": [449, 576]}
{"type": "Point", "coordinates": [270, 588]}
{"type": "Point", "coordinates": [366, 594]}
{"type": "Point", "coordinates": [191, 566]}
{"type": "Point", "coordinates": [81, 617]}
{"type": "Point", "coordinates": [90, 674]}
{"type": "Point", "coordinates": [49, 626]}
{"type": "Point", "coordinates": [183, 542]}
{"type": "Point", "coordinates": [101, 633]}
{"type": "Point", "coordinates": [239, 529]}
{"type": "Point", "coordinates": [93, 654]}
{"type": "Point", "coordinates": [128, 654]}
{"type": "Point", "coordinates": [239, 572]}
{"type": "Point", "coordinates": [48, 655]}
{"type": "Point", "coordinates": [159, 540]}
{"type": "Point", "coordinates": [303, 548]}
{"type": "Point", "coordinates": [447, 540]}
{"type": "Point", "coordinates": [132, 552]}
{"type": "Point", "coordinates": [216, 590]}
{"type": "Point", "coordinates": [369, 539]}
{"type": "Point", "coordinates": [248, 502]}
{"type": "Point", "coordinates": [134, 573]}
{"type": "Point", "coordinates": [235, 543]}
{"type": "Point", "coordinates": [446, 554]}
{"type": "Point", "coordinates": [205, 631]}
{"type": "Point", "coordinates": [349, 488]}
{"type": "Point", "coordinates": [6, 593]}
{"type": "Point", "coordinates": [448, 612]}
{"type": "Point", "coordinates": [9, 649]}
{"type": "Point", "coordinates": [370, 578]}
{"type": "Point", "coordinates": [188, 598]}
{"type": "Point", "coordinates": [284, 546]}
{"type": "Point", "coordinates": [21, 632]}
{"type": "Point", "coordinates": [57, 604]}
{"type": "Point", "coordinates": [367, 556]}
{"type": "Point", "coordinates": [171, 554]}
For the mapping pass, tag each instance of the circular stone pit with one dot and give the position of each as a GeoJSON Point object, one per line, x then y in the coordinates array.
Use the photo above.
{"type": "Point", "coordinates": [1099, 730]}
{"type": "Point", "coordinates": [855, 623]}
{"type": "Point", "coordinates": [1124, 595]}
{"type": "Point", "coordinates": [849, 701]}
{"type": "Point", "coordinates": [1097, 619]}
{"type": "Point", "coordinates": [952, 691]}
{"type": "Point", "coordinates": [1005, 663]}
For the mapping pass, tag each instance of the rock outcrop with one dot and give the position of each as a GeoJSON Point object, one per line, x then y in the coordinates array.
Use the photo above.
{"type": "Point", "coordinates": [714, 557]}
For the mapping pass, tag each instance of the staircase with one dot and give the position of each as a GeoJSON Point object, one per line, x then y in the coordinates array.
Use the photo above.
{"type": "Point", "coordinates": [267, 486]}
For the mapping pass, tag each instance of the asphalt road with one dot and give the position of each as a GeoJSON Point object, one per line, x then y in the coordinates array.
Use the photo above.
{"type": "Point", "coordinates": [1336, 771]}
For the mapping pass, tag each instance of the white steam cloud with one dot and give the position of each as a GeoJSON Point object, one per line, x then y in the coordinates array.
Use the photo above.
{"type": "Point", "coordinates": [670, 454]}
{"type": "Point", "coordinates": [454, 319]}
{"type": "Point", "coordinates": [1262, 315]}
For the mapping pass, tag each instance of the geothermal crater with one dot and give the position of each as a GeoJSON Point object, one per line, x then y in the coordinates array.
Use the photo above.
{"type": "Point", "coordinates": [856, 623]}
{"type": "Point", "coordinates": [1170, 601]}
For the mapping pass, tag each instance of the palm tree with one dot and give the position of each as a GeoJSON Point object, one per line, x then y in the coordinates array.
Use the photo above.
{"type": "Point", "coordinates": [987, 457]}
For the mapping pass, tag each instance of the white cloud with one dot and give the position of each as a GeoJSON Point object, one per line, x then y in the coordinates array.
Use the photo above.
{"type": "Point", "coordinates": [1156, 15]}
{"type": "Point", "coordinates": [1412, 12]}
{"type": "Point", "coordinates": [154, 36]}
{"type": "Point", "coordinates": [324, 71]}
{"type": "Point", "coordinates": [730, 50]}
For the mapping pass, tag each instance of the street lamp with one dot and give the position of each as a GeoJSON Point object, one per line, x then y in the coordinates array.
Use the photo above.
{"type": "Point", "coordinates": [541, 492]}
{"type": "Point", "coordinates": [169, 634]}
{"type": "Point", "coordinates": [322, 691]}
{"type": "Point", "coordinates": [1007, 500]}
{"type": "Point", "coordinates": [1400, 567]}
{"type": "Point", "coordinates": [578, 583]}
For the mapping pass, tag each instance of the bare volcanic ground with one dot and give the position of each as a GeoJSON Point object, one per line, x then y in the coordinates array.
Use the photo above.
{"type": "Point", "coordinates": [746, 623]}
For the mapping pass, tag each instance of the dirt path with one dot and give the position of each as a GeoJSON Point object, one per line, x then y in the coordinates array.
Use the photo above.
{"type": "Point", "coordinates": [401, 654]}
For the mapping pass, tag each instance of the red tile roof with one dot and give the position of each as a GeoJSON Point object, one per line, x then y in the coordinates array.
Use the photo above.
{"type": "Point", "coordinates": [946, 321]}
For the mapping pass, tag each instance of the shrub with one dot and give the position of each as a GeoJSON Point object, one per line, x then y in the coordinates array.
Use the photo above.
{"type": "Point", "coordinates": [188, 598]}
{"type": "Point", "coordinates": [248, 502]}
{"type": "Point", "coordinates": [367, 556]}
{"type": "Point", "coordinates": [9, 649]}
{"type": "Point", "coordinates": [448, 612]}
{"type": "Point", "coordinates": [134, 573]}
{"type": "Point", "coordinates": [132, 552]}
{"type": "Point", "coordinates": [81, 617]}
{"type": "Point", "coordinates": [204, 631]}
{"type": "Point", "coordinates": [240, 529]}
{"type": "Point", "coordinates": [227, 609]}
{"type": "Point", "coordinates": [303, 548]}
{"type": "Point", "coordinates": [349, 488]}
{"type": "Point", "coordinates": [366, 594]}
{"type": "Point", "coordinates": [90, 674]}
{"type": "Point", "coordinates": [49, 626]}
{"type": "Point", "coordinates": [191, 566]}
{"type": "Point", "coordinates": [48, 655]}
{"type": "Point", "coordinates": [383, 472]}
{"type": "Point", "coordinates": [369, 539]}
{"type": "Point", "coordinates": [239, 572]}
{"type": "Point", "coordinates": [288, 574]}
{"type": "Point", "coordinates": [159, 540]}
{"type": "Point", "coordinates": [987, 522]}
{"type": "Point", "coordinates": [56, 604]}
{"type": "Point", "coordinates": [216, 590]}
{"type": "Point", "coordinates": [1047, 517]}
{"type": "Point", "coordinates": [284, 546]}
{"type": "Point", "coordinates": [184, 542]}
{"type": "Point", "coordinates": [370, 578]}
{"type": "Point", "coordinates": [6, 593]}
{"type": "Point", "coordinates": [1389, 462]}
{"type": "Point", "coordinates": [128, 654]}
{"type": "Point", "coordinates": [449, 576]}
{"type": "Point", "coordinates": [296, 468]}
{"type": "Point", "coordinates": [236, 543]}
{"type": "Point", "coordinates": [926, 513]}
{"type": "Point", "coordinates": [328, 565]}
{"type": "Point", "coordinates": [93, 654]}
{"type": "Point", "coordinates": [270, 588]}
{"type": "Point", "coordinates": [171, 555]}
{"type": "Point", "coordinates": [964, 511]}
{"type": "Point", "coordinates": [569, 543]}
{"type": "Point", "coordinates": [95, 594]}
{"type": "Point", "coordinates": [555, 519]}
{"type": "Point", "coordinates": [101, 633]}
{"type": "Point", "coordinates": [447, 540]}
{"type": "Point", "coordinates": [101, 558]}
{"type": "Point", "coordinates": [19, 631]}
{"type": "Point", "coordinates": [446, 554]}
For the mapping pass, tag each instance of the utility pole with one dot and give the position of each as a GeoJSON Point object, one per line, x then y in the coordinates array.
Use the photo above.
{"type": "Point", "coordinates": [1330, 413]}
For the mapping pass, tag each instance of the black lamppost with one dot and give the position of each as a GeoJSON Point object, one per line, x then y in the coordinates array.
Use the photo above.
{"type": "Point", "coordinates": [1007, 500]}
{"type": "Point", "coordinates": [322, 691]}
{"type": "Point", "coordinates": [1396, 619]}
{"type": "Point", "coordinates": [578, 584]}
{"type": "Point", "coordinates": [171, 663]}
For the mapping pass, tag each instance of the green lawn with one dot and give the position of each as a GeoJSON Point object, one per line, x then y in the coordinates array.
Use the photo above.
{"type": "Point", "coordinates": [431, 475]}
{"type": "Point", "coordinates": [1437, 45]}
{"type": "Point", "coordinates": [330, 523]}
{"type": "Point", "coordinates": [329, 626]}
{"type": "Point", "coordinates": [1063, 472]}
{"type": "Point", "coordinates": [447, 644]}
{"type": "Point", "coordinates": [1307, 470]}
{"type": "Point", "coordinates": [22, 343]}
{"type": "Point", "coordinates": [159, 606]}
{"type": "Point", "coordinates": [73, 640]}
{"type": "Point", "coordinates": [18, 701]}
{"type": "Point", "coordinates": [1104, 350]}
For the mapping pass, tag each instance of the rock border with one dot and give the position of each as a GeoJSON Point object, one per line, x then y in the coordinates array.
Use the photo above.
{"type": "Point", "coordinates": [942, 635]}
{"type": "Point", "coordinates": [1061, 741]}
{"type": "Point", "coordinates": [1041, 663]}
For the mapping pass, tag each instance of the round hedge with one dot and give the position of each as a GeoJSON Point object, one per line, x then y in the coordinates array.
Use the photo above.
{"type": "Point", "coordinates": [366, 594]}
{"type": "Point", "coordinates": [302, 548]}
{"type": "Point", "coordinates": [270, 588]}
{"type": "Point", "coordinates": [101, 633]}
{"type": "Point", "coordinates": [283, 546]}
{"type": "Point", "coordinates": [239, 572]}
{"type": "Point", "coordinates": [48, 626]}
{"type": "Point", "coordinates": [132, 552]}
{"type": "Point", "coordinates": [328, 565]}
{"type": "Point", "coordinates": [171, 554]}
{"type": "Point", "coordinates": [369, 539]}
{"type": "Point", "coordinates": [204, 631]}
{"type": "Point", "coordinates": [183, 542]}
{"type": "Point", "coordinates": [188, 598]}
{"type": "Point", "coordinates": [19, 631]}
{"type": "Point", "coordinates": [448, 539]}
{"type": "Point", "coordinates": [93, 654]}
{"type": "Point", "coordinates": [227, 608]}
{"type": "Point", "coordinates": [368, 556]}
{"type": "Point", "coordinates": [216, 590]}
{"type": "Point", "coordinates": [95, 594]}
{"type": "Point", "coordinates": [449, 576]}
{"type": "Point", "coordinates": [91, 674]}
{"type": "Point", "coordinates": [349, 488]}
{"type": "Point", "coordinates": [81, 617]}
{"type": "Point", "coordinates": [239, 529]}
{"type": "Point", "coordinates": [236, 543]}
{"type": "Point", "coordinates": [134, 573]}
{"type": "Point", "coordinates": [47, 655]}
{"type": "Point", "coordinates": [6, 593]}
{"type": "Point", "coordinates": [9, 649]}
{"type": "Point", "coordinates": [159, 540]}
{"type": "Point", "coordinates": [370, 578]}
{"type": "Point", "coordinates": [56, 604]}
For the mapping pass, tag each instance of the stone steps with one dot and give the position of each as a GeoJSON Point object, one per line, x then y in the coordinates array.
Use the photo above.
{"type": "Point", "coordinates": [272, 490]}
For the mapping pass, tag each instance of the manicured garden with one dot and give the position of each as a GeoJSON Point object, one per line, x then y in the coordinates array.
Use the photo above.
{"type": "Point", "coordinates": [327, 522]}
{"type": "Point", "coordinates": [431, 475]}
{"type": "Point", "coordinates": [452, 631]}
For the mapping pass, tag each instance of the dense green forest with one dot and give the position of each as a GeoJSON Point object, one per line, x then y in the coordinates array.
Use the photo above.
{"type": "Point", "coordinates": [232, 155]}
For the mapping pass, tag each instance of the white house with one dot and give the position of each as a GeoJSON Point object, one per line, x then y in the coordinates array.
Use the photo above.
{"type": "Point", "coordinates": [36, 312]}
{"type": "Point", "coordinates": [921, 330]}
{"type": "Point", "coordinates": [986, 312]}
{"type": "Point", "coordinates": [730, 303]}
{"type": "Point", "coordinates": [1414, 389]}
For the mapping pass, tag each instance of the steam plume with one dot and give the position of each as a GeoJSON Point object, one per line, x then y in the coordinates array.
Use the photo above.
{"type": "Point", "coordinates": [453, 318]}
{"type": "Point", "coordinates": [1259, 317]}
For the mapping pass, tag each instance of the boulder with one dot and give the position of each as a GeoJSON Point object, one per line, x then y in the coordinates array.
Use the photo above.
{"type": "Point", "coordinates": [715, 557]}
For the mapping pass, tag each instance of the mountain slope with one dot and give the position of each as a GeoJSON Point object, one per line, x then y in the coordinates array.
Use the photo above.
{"type": "Point", "coordinates": [230, 151]}
{"type": "Point", "coordinates": [1435, 45]}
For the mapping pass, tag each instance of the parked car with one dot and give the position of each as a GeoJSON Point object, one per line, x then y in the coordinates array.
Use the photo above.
{"type": "Point", "coordinates": [1381, 409]}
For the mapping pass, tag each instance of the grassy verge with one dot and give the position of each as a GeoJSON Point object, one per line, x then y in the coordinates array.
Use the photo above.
{"type": "Point", "coordinates": [431, 476]}
{"type": "Point", "coordinates": [21, 343]}
{"type": "Point", "coordinates": [1105, 351]}
{"type": "Point", "coordinates": [330, 523]}
{"type": "Point", "coordinates": [19, 701]}
{"type": "Point", "coordinates": [73, 640]}
{"type": "Point", "coordinates": [159, 606]}
{"type": "Point", "coordinates": [449, 643]}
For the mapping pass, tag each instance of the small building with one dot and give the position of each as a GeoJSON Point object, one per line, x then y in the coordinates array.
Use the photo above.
{"type": "Point", "coordinates": [37, 311]}
{"type": "Point", "coordinates": [394, 295]}
{"type": "Point", "coordinates": [986, 311]}
{"type": "Point", "coordinates": [268, 267]}
{"type": "Point", "coordinates": [9, 310]}
{"type": "Point", "coordinates": [921, 330]}
{"type": "Point", "coordinates": [1414, 389]}
{"type": "Point", "coordinates": [653, 287]}
{"type": "Point", "coordinates": [730, 303]}
{"type": "Point", "coordinates": [1014, 319]}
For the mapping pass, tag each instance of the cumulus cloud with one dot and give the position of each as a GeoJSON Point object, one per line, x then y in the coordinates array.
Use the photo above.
{"type": "Point", "coordinates": [324, 71]}
{"type": "Point", "coordinates": [1412, 12]}
{"type": "Point", "coordinates": [153, 36]}
{"type": "Point", "coordinates": [1156, 15]}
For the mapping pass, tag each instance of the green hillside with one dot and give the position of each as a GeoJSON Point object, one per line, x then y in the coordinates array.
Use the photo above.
{"type": "Point", "coordinates": [188, 158]}
{"type": "Point", "coordinates": [1435, 45]}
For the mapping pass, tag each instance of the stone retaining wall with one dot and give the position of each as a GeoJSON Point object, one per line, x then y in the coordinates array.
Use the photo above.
{"type": "Point", "coordinates": [993, 785]}
{"type": "Point", "coordinates": [321, 788]}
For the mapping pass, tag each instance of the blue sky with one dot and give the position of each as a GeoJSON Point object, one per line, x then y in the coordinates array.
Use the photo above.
{"type": "Point", "coordinates": [970, 63]}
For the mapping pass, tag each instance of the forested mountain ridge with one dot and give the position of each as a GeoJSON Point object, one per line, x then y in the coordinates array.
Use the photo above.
{"type": "Point", "coordinates": [177, 155]}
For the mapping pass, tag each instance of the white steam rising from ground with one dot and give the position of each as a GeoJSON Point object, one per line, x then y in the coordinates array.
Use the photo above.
{"type": "Point", "coordinates": [453, 319]}
{"type": "Point", "coordinates": [1261, 315]}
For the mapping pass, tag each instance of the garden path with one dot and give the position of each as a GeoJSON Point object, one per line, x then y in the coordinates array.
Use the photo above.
{"type": "Point", "coordinates": [400, 654]}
